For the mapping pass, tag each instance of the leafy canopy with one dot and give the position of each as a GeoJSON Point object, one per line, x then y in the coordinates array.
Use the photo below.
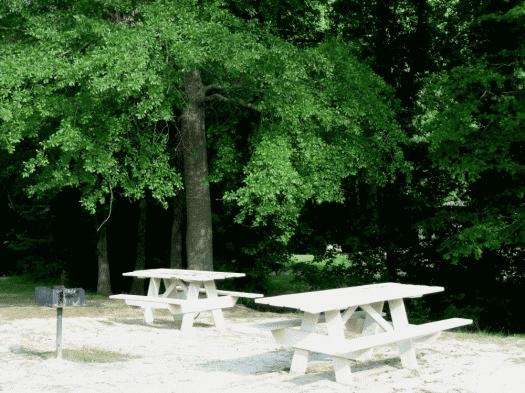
{"type": "Point", "coordinates": [89, 80]}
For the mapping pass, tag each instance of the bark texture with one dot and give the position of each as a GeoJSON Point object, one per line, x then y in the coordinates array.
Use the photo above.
{"type": "Point", "coordinates": [198, 203]}
{"type": "Point", "coordinates": [104, 279]}
{"type": "Point", "coordinates": [137, 286]}
{"type": "Point", "coordinates": [178, 216]}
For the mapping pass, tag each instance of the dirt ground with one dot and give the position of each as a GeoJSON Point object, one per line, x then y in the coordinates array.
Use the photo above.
{"type": "Point", "coordinates": [238, 359]}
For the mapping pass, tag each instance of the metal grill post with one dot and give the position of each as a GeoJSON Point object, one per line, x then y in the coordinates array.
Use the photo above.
{"type": "Point", "coordinates": [59, 297]}
{"type": "Point", "coordinates": [59, 332]}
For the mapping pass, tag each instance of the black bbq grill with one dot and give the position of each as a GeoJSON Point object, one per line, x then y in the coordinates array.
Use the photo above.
{"type": "Point", "coordinates": [59, 297]}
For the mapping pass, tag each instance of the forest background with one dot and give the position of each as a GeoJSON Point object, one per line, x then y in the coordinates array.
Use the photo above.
{"type": "Point", "coordinates": [230, 135]}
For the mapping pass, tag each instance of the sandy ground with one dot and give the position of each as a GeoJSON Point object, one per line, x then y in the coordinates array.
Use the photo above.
{"type": "Point", "coordinates": [239, 359]}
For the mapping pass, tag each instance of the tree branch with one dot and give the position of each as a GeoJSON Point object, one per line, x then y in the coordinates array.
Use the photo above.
{"type": "Point", "coordinates": [110, 204]}
{"type": "Point", "coordinates": [219, 97]}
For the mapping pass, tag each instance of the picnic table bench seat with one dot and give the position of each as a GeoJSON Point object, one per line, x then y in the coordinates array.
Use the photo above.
{"type": "Point", "coordinates": [346, 349]}
{"type": "Point", "coordinates": [183, 306]}
{"type": "Point", "coordinates": [297, 321]}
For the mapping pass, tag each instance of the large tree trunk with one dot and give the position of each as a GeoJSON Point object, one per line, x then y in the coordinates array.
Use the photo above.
{"type": "Point", "coordinates": [198, 203]}
{"type": "Point", "coordinates": [178, 216]}
{"type": "Point", "coordinates": [137, 286]}
{"type": "Point", "coordinates": [104, 279]}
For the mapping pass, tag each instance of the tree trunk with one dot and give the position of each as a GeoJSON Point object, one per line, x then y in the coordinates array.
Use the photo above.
{"type": "Point", "coordinates": [104, 279]}
{"type": "Point", "coordinates": [198, 203]}
{"type": "Point", "coordinates": [137, 286]}
{"type": "Point", "coordinates": [178, 216]}
{"type": "Point", "coordinates": [176, 232]}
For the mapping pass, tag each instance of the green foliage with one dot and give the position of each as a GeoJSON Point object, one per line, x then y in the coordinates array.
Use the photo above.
{"type": "Point", "coordinates": [473, 114]}
{"type": "Point", "coordinates": [330, 274]}
{"type": "Point", "coordinates": [94, 80]}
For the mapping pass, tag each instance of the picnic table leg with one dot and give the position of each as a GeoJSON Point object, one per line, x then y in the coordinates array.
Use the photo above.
{"type": "Point", "coordinates": [174, 293]}
{"type": "Point", "coordinates": [153, 290]}
{"type": "Point", "coordinates": [369, 327]}
{"type": "Point", "coordinates": [211, 292]}
{"type": "Point", "coordinates": [407, 350]}
{"type": "Point", "coordinates": [192, 294]}
{"type": "Point", "coordinates": [334, 325]}
{"type": "Point", "coordinates": [300, 356]}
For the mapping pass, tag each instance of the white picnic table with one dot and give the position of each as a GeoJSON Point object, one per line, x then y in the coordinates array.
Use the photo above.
{"type": "Point", "coordinates": [182, 299]}
{"type": "Point", "coordinates": [369, 323]}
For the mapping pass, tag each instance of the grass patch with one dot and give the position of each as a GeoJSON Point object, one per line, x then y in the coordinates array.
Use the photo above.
{"type": "Point", "coordinates": [85, 354]}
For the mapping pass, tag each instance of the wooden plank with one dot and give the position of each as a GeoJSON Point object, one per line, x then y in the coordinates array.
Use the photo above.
{"type": "Point", "coordinates": [297, 322]}
{"type": "Point", "coordinates": [300, 356]}
{"type": "Point", "coordinates": [345, 348]}
{"type": "Point", "coordinates": [369, 328]}
{"type": "Point", "coordinates": [186, 275]}
{"type": "Point", "coordinates": [149, 299]}
{"type": "Point", "coordinates": [376, 317]}
{"type": "Point", "coordinates": [191, 297]}
{"type": "Point", "coordinates": [342, 298]}
{"type": "Point", "coordinates": [334, 326]}
{"type": "Point", "coordinates": [407, 349]}
{"type": "Point", "coordinates": [179, 305]}
{"type": "Point", "coordinates": [208, 304]}
{"type": "Point", "coordinates": [240, 294]}
{"type": "Point", "coordinates": [231, 293]}
{"type": "Point", "coordinates": [370, 295]}
{"type": "Point", "coordinates": [153, 290]}
{"type": "Point", "coordinates": [144, 304]}
{"type": "Point", "coordinates": [211, 293]}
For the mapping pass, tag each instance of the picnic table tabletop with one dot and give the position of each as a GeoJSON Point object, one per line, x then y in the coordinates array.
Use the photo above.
{"type": "Point", "coordinates": [182, 274]}
{"type": "Point", "coordinates": [342, 298]}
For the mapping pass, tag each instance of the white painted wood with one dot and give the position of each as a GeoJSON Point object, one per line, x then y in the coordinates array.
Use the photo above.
{"type": "Point", "coordinates": [144, 304]}
{"type": "Point", "coordinates": [343, 298]}
{"type": "Point", "coordinates": [153, 291]}
{"type": "Point", "coordinates": [192, 297]}
{"type": "Point", "coordinates": [176, 312]}
{"type": "Point", "coordinates": [182, 304]}
{"type": "Point", "coordinates": [186, 275]}
{"type": "Point", "coordinates": [344, 348]}
{"type": "Point", "coordinates": [350, 313]}
{"type": "Point", "coordinates": [172, 285]}
{"type": "Point", "coordinates": [428, 339]}
{"type": "Point", "coordinates": [211, 293]}
{"type": "Point", "coordinates": [407, 349]}
{"type": "Point", "coordinates": [148, 299]}
{"type": "Point", "coordinates": [369, 328]}
{"type": "Point", "coordinates": [425, 339]}
{"type": "Point", "coordinates": [300, 356]}
{"type": "Point", "coordinates": [177, 290]}
{"type": "Point", "coordinates": [231, 293]}
{"type": "Point", "coordinates": [355, 325]}
{"type": "Point", "coordinates": [334, 326]}
{"type": "Point", "coordinates": [376, 317]}
{"type": "Point", "coordinates": [297, 322]}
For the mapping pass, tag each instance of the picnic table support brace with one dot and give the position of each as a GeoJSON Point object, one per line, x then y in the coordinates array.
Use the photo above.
{"type": "Point", "coordinates": [211, 292]}
{"type": "Point", "coordinates": [334, 325]}
{"type": "Point", "coordinates": [369, 327]}
{"type": "Point", "coordinates": [300, 356]}
{"type": "Point", "coordinates": [407, 350]}
{"type": "Point", "coordinates": [191, 294]}
{"type": "Point", "coordinates": [153, 290]}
